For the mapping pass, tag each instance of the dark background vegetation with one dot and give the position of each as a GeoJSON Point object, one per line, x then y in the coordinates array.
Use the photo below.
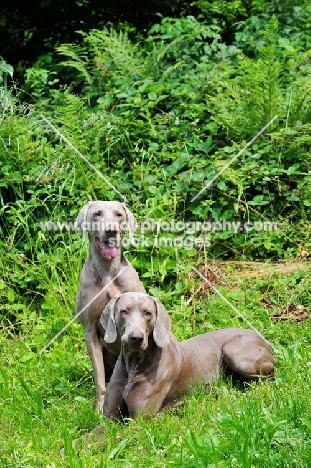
{"type": "Point", "coordinates": [29, 29]}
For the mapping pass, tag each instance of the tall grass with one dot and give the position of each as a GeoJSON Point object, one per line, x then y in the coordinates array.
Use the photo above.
{"type": "Point", "coordinates": [50, 396]}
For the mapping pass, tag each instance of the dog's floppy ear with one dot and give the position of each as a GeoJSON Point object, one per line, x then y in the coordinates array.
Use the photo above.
{"type": "Point", "coordinates": [162, 327]}
{"type": "Point", "coordinates": [107, 320]}
{"type": "Point", "coordinates": [81, 220]}
{"type": "Point", "coordinates": [131, 222]}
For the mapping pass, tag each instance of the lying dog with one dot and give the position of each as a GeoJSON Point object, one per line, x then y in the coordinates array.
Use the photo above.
{"type": "Point", "coordinates": [153, 371]}
{"type": "Point", "coordinates": [105, 273]}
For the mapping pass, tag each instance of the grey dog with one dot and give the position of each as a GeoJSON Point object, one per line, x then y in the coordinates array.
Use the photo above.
{"type": "Point", "coordinates": [105, 273]}
{"type": "Point", "coordinates": [154, 371]}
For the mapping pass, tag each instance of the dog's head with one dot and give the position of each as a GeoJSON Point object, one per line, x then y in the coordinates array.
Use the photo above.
{"type": "Point", "coordinates": [105, 222]}
{"type": "Point", "coordinates": [136, 317]}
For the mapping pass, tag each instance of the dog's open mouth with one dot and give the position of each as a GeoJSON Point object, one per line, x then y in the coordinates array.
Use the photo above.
{"type": "Point", "coordinates": [108, 251]}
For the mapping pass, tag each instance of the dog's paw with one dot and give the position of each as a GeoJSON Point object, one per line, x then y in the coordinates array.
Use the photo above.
{"type": "Point", "coordinates": [94, 437]}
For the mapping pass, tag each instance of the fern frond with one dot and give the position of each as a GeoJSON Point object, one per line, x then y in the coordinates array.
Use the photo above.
{"type": "Point", "coordinates": [271, 32]}
{"type": "Point", "coordinates": [79, 59]}
{"type": "Point", "coordinates": [162, 49]}
{"type": "Point", "coordinates": [70, 115]}
{"type": "Point", "coordinates": [254, 95]}
{"type": "Point", "coordinates": [299, 107]}
{"type": "Point", "coordinates": [109, 46]}
{"type": "Point", "coordinates": [169, 70]}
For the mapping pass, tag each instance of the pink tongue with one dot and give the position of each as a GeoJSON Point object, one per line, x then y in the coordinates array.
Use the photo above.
{"type": "Point", "coordinates": [106, 250]}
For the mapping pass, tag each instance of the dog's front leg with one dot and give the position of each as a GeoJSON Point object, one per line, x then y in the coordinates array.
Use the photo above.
{"type": "Point", "coordinates": [146, 399]}
{"type": "Point", "coordinates": [115, 406]}
{"type": "Point", "coordinates": [95, 351]}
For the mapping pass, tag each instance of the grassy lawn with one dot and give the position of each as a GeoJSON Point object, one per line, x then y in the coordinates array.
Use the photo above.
{"type": "Point", "coordinates": [47, 399]}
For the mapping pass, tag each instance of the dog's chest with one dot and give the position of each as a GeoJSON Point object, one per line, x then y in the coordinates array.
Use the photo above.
{"type": "Point", "coordinates": [109, 288]}
{"type": "Point", "coordinates": [112, 290]}
{"type": "Point", "coordinates": [135, 380]}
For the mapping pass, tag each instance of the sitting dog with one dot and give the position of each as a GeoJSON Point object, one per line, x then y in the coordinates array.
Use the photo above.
{"type": "Point", "coordinates": [106, 272]}
{"type": "Point", "coordinates": [154, 371]}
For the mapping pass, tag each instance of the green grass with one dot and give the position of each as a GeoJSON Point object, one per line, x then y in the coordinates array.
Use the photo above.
{"type": "Point", "coordinates": [47, 399]}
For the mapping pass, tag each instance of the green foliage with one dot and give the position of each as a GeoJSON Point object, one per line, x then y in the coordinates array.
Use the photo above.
{"type": "Point", "coordinates": [294, 16]}
{"type": "Point", "coordinates": [251, 94]}
{"type": "Point", "coordinates": [226, 13]}
{"type": "Point", "coordinates": [5, 71]}
{"type": "Point", "coordinates": [246, 19]}
{"type": "Point", "coordinates": [159, 120]}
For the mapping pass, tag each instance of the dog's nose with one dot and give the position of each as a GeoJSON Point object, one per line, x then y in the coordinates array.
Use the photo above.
{"type": "Point", "coordinates": [136, 337]}
{"type": "Point", "coordinates": [111, 232]}
{"type": "Point", "coordinates": [110, 228]}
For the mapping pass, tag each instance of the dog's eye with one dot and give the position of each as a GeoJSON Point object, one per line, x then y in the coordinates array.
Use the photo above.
{"type": "Point", "coordinates": [97, 213]}
{"type": "Point", "coordinates": [123, 312]}
{"type": "Point", "coordinates": [119, 215]}
{"type": "Point", "coordinates": [148, 313]}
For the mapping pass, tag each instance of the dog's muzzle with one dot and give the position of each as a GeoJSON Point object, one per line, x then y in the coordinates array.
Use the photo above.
{"type": "Point", "coordinates": [134, 340]}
